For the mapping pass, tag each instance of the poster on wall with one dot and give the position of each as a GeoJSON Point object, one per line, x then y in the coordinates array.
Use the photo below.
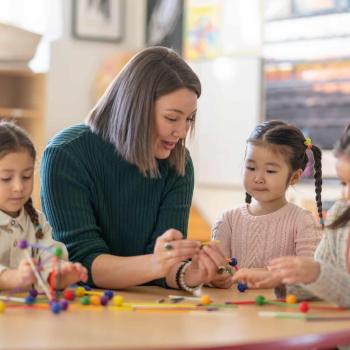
{"type": "Point", "coordinates": [164, 24]}
{"type": "Point", "coordinates": [202, 29]}
{"type": "Point", "coordinates": [98, 20]}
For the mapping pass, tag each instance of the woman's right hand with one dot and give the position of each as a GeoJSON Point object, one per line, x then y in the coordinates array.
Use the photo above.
{"type": "Point", "coordinates": [171, 249]}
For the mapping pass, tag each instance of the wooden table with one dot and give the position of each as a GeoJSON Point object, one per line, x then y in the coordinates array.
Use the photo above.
{"type": "Point", "coordinates": [103, 328]}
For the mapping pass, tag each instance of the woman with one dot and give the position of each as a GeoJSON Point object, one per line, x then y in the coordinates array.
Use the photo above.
{"type": "Point", "coordinates": [117, 191]}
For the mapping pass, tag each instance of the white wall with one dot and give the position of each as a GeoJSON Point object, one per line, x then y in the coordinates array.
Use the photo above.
{"type": "Point", "coordinates": [229, 108]}
{"type": "Point", "coordinates": [74, 64]}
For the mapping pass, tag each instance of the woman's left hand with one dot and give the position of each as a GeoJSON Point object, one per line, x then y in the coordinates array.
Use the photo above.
{"type": "Point", "coordinates": [205, 267]}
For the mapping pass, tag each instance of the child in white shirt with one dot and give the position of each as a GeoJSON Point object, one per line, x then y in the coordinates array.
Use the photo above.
{"type": "Point", "coordinates": [19, 220]}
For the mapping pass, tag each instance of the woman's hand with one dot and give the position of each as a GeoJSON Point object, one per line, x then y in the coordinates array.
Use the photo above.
{"type": "Point", "coordinates": [170, 249]}
{"type": "Point", "coordinates": [257, 278]}
{"type": "Point", "coordinates": [207, 267]}
{"type": "Point", "coordinates": [295, 269]}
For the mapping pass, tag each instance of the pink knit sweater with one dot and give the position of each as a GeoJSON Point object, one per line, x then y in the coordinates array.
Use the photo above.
{"type": "Point", "coordinates": [255, 240]}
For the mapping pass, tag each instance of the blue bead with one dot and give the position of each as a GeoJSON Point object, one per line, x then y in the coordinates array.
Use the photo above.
{"type": "Point", "coordinates": [233, 262]}
{"type": "Point", "coordinates": [29, 300]}
{"type": "Point", "coordinates": [109, 294]}
{"type": "Point", "coordinates": [55, 307]}
{"type": "Point", "coordinates": [242, 287]}
{"type": "Point", "coordinates": [87, 287]}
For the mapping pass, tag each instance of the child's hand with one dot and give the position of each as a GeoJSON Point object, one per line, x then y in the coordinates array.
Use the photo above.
{"type": "Point", "coordinates": [295, 269]}
{"type": "Point", "coordinates": [257, 278]}
{"type": "Point", "coordinates": [24, 275]}
{"type": "Point", "coordinates": [70, 273]}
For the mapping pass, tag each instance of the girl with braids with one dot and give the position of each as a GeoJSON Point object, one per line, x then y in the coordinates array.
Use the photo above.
{"type": "Point", "coordinates": [18, 218]}
{"type": "Point", "coordinates": [267, 226]}
{"type": "Point", "coordinates": [326, 276]}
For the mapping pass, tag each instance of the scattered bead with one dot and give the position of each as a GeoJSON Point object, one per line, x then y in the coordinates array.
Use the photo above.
{"type": "Point", "coordinates": [29, 300]}
{"type": "Point", "coordinates": [104, 300]}
{"type": "Point", "coordinates": [80, 291]}
{"type": "Point", "coordinates": [87, 287]}
{"type": "Point", "coordinates": [205, 300]}
{"type": "Point", "coordinates": [118, 300]}
{"type": "Point", "coordinates": [304, 307]}
{"type": "Point", "coordinates": [85, 300]}
{"type": "Point", "coordinates": [109, 294]}
{"type": "Point", "coordinates": [55, 307]}
{"type": "Point", "coordinates": [64, 305]}
{"type": "Point", "coordinates": [95, 300]}
{"type": "Point", "coordinates": [260, 300]}
{"type": "Point", "coordinates": [291, 299]}
{"type": "Point", "coordinates": [68, 294]}
{"type": "Point", "coordinates": [242, 287]}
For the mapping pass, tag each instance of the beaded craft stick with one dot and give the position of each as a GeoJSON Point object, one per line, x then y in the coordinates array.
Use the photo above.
{"type": "Point", "coordinates": [23, 244]}
{"type": "Point", "coordinates": [55, 305]}
{"type": "Point", "coordinates": [290, 301]}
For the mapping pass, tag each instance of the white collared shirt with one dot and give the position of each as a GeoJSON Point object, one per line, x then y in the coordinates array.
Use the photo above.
{"type": "Point", "coordinates": [12, 230]}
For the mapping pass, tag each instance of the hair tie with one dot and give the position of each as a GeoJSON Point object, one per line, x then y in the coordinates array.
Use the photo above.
{"type": "Point", "coordinates": [308, 143]}
{"type": "Point", "coordinates": [321, 221]}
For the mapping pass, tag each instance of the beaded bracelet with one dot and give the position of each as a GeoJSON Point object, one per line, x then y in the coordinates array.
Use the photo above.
{"type": "Point", "coordinates": [178, 272]}
{"type": "Point", "coordinates": [195, 290]}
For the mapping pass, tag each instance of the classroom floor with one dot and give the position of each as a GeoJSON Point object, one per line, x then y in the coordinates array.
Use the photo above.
{"type": "Point", "coordinates": [198, 227]}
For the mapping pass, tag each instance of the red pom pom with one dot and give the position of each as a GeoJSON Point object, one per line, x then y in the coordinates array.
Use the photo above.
{"type": "Point", "coordinates": [303, 306]}
{"type": "Point", "coordinates": [68, 294]}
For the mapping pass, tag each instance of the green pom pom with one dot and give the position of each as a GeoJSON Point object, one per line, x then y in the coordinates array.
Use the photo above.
{"type": "Point", "coordinates": [85, 300]}
{"type": "Point", "coordinates": [260, 300]}
{"type": "Point", "coordinates": [57, 251]}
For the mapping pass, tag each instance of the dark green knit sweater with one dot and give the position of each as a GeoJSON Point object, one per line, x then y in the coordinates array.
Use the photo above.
{"type": "Point", "coordinates": [97, 203]}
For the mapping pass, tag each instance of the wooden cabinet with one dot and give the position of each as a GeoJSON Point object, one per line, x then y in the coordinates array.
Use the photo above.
{"type": "Point", "coordinates": [22, 100]}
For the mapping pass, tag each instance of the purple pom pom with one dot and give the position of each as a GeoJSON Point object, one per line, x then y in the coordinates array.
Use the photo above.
{"type": "Point", "coordinates": [33, 293]}
{"type": "Point", "coordinates": [104, 300]}
{"type": "Point", "coordinates": [22, 244]}
{"type": "Point", "coordinates": [64, 304]}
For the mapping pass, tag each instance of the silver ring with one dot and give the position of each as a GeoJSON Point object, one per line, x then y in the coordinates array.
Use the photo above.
{"type": "Point", "coordinates": [221, 269]}
{"type": "Point", "coordinates": [168, 246]}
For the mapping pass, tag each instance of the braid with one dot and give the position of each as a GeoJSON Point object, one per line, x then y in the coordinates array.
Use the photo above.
{"type": "Point", "coordinates": [248, 198]}
{"type": "Point", "coordinates": [29, 208]}
{"type": "Point", "coordinates": [318, 180]}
